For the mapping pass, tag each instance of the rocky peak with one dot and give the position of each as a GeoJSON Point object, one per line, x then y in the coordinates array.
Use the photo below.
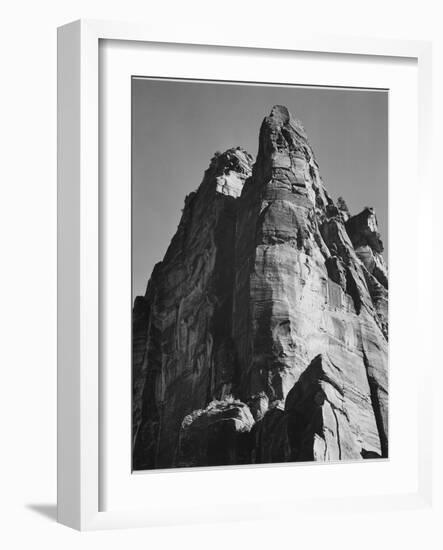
{"type": "Point", "coordinates": [363, 230]}
{"type": "Point", "coordinates": [235, 159]}
{"type": "Point", "coordinates": [229, 171]}
{"type": "Point", "coordinates": [285, 156]}
{"type": "Point", "coordinates": [280, 116]}
{"type": "Point", "coordinates": [366, 241]}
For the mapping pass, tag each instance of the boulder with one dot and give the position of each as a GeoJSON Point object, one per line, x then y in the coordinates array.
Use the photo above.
{"type": "Point", "coordinates": [215, 436]}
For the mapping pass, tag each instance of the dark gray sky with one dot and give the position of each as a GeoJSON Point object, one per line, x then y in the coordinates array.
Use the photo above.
{"type": "Point", "coordinates": [178, 125]}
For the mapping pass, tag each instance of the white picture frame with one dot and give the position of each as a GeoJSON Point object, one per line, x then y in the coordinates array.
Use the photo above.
{"type": "Point", "coordinates": [80, 410]}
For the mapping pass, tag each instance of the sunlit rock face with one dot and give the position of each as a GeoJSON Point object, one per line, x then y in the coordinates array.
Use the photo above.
{"type": "Point", "coordinates": [262, 336]}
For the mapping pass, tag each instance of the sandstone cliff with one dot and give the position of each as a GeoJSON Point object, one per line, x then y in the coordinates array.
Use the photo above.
{"type": "Point", "coordinates": [262, 336]}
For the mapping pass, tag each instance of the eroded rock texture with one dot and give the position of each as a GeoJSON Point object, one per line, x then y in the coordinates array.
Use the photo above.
{"type": "Point", "coordinates": [262, 336]}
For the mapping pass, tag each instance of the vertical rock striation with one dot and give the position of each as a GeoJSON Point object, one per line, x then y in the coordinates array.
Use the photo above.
{"type": "Point", "coordinates": [262, 336]}
{"type": "Point", "coordinates": [183, 350]}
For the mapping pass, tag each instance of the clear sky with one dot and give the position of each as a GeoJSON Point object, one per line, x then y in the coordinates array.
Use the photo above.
{"type": "Point", "coordinates": [178, 125]}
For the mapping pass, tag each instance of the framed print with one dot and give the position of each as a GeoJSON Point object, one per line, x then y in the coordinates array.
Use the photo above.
{"type": "Point", "coordinates": [231, 276]}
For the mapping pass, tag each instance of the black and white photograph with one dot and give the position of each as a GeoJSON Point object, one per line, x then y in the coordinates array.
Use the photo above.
{"type": "Point", "coordinates": [259, 274]}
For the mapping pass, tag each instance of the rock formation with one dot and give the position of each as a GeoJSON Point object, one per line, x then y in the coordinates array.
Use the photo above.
{"type": "Point", "coordinates": [262, 336]}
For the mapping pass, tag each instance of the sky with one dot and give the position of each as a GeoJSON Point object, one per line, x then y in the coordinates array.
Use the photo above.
{"type": "Point", "coordinates": [178, 125]}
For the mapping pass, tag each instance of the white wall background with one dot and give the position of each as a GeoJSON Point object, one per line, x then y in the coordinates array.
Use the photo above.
{"type": "Point", "coordinates": [28, 271]}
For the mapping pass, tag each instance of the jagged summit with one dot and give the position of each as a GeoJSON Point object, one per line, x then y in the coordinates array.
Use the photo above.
{"type": "Point", "coordinates": [363, 229]}
{"type": "Point", "coordinates": [230, 170]}
{"type": "Point", "coordinates": [262, 336]}
{"type": "Point", "coordinates": [233, 159]}
{"type": "Point", "coordinates": [285, 156]}
{"type": "Point", "coordinates": [281, 115]}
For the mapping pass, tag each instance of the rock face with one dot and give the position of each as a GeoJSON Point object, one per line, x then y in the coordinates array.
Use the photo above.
{"type": "Point", "coordinates": [262, 336]}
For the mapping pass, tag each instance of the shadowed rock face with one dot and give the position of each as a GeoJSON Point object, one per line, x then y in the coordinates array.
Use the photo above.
{"type": "Point", "coordinates": [262, 336]}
